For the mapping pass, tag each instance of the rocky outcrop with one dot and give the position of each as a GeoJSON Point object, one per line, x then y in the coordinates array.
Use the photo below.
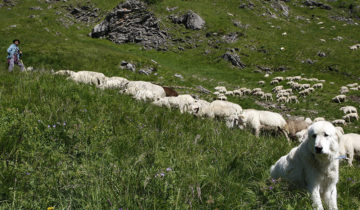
{"type": "Point", "coordinates": [234, 59]}
{"type": "Point", "coordinates": [312, 3]}
{"type": "Point", "coordinates": [84, 13]}
{"type": "Point", "coordinates": [191, 20]}
{"type": "Point", "coordinates": [131, 22]}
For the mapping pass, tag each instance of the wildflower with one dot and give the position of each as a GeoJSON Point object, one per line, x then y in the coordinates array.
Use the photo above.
{"type": "Point", "coordinates": [50, 208]}
{"type": "Point", "coordinates": [49, 126]}
{"type": "Point", "coordinates": [64, 124]}
{"type": "Point", "coordinates": [54, 126]}
{"type": "Point", "coordinates": [273, 181]}
{"type": "Point", "coordinates": [349, 179]}
{"type": "Point", "coordinates": [27, 173]}
{"type": "Point", "coordinates": [39, 121]}
{"type": "Point", "coordinates": [271, 187]}
{"type": "Point", "coordinates": [168, 169]}
{"type": "Point", "coordinates": [162, 174]}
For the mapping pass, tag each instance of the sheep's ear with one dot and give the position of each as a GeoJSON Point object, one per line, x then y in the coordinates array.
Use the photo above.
{"type": "Point", "coordinates": [197, 110]}
{"type": "Point", "coordinates": [338, 134]}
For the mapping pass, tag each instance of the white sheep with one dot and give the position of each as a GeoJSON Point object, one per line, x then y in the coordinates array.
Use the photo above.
{"type": "Point", "coordinates": [304, 92]}
{"type": "Point", "coordinates": [256, 90]}
{"type": "Point", "coordinates": [350, 116]}
{"type": "Point", "coordinates": [354, 47]}
{"type": "Point", "coordinates": [348, 109]}
{"type": "Point", "coordinates": [228, 111]}
{"type": "Point", "coordinates": [318, 119]}
{"type": "Point", "coordinates": [304, 86]}
{"type": "Point", "coordinates": [181, 102]}
{"type": "Point", "coordinates": [339, 98]}
{"type": "Point", "coordinates": [114, 83]}
{"type": "Point", "coordinates": [260, 120]}
{"type": "Point", "coordinates": [221, 97]}
{"type": "Point", "coordinates": [293, 99]}
{"type": "Point", "coordinates": [229, 93]}
{"type": "Point", "coordinates": [261, 82]}
{"type": "Point", "coordinates": [279, 79]}
{"type": "Point", "coordinates": [339, 122]}
{"type": "Point", "coordinates": [220, 89]}
{"type": "Point", "coordinates": [301, 135]}
{"type": "Point", "coordinates": [282, 99]}
{"type": "Point", "coordinates": [238, 92]}
{"type": "Point", "coordinates": [267, 96]}
{"type": "Point", "coordinates": [318, 85]}
{"type": "Point", "coordinates": [354, 88]}
{"type": "Point", "coordinates": [344, 89]}
{"type": "Point", "coordinates": [65, 72]}
{"type": "Point", "coordinates": [277, 88]}
{"type": "Point", "coordinates": [144, 91]}
{"type": "Point", "coordinates": [259, 93]}
{"type": "Point", "coordinates": [274, 82]}
{"type": "Point", "coordinates": [349, 144]}
{"type": "Point", "coordinates": [352, 85]}
{"type": "Point", "coordinates": [88, 77]}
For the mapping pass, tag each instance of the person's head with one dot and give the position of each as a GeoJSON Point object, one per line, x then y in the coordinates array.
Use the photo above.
{"type": "Point", "coordinates": [16, 41]}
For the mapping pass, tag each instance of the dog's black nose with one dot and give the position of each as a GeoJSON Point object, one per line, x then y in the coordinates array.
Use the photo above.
{"type": "Point", "coordinates": [318, 149]}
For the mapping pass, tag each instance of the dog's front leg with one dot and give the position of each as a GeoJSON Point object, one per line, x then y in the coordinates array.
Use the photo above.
{"type": "Point", "coordinates": [315, 196]}
{"type": "Point", "coordinates": [330, 197]}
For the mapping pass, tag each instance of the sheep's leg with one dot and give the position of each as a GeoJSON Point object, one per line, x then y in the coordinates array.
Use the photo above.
{"type": "Point", "coordinates": [285, 134]}
{"type": "Point", "coordinates": [257, 132]}
{"type": "Point", "coordinates": [351, 157]}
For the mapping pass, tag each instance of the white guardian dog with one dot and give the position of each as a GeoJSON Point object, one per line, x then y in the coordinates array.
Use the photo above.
{"type": "Point", "coordinates": [314, 164]}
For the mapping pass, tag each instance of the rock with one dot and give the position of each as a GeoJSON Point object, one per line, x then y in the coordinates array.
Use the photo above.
{"type": "Point", "coordinates": [146, 71]}
{"type": "Point", "coordinates": [312, 3]}
{"type": "Point", "coordinates": [232, 37]}
{"type": "Point", "coordinates": [179, 76]}
{"type": "Point", "coordinates": [171, 9]}
{"type": "Point", "coordinates": [84, 13]}
{"type": "Point", "coordinates": [130, 67]}
{"type": "Point", "coordinates": [131, 22]}
{"type": "Point", "coordinates": [201, 89]}
{"type": "Point", "coordinates": [234, 59]}
{"type": "Point", "coordinates": [191, 20]}
{"type": "Point", "coordinates": [36, 8]}
{"type": "Point", "coordinates": [278, 5]}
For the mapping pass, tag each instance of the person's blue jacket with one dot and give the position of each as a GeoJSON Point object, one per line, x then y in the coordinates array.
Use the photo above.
{"type": "Point", "coordinates": [12, 50]}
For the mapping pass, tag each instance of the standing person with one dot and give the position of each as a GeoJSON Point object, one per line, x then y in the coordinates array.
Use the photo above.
{"type": "Point", "coordinates": [14, 56]}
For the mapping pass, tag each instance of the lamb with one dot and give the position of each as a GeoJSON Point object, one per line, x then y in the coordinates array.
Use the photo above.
{"type": "Point", "coordinates": [256, 90]}
{"type": "Point", "coordinates": [144, 91]}
{"type": "Point", "coordinates": [282, 94]}
{"type": "Point", "coordinates": [181, 102]}
{"type": "Point", "coordinates": [348, 109]}
{"type": "Point", "coordinates": [304, 86]}
{"type": "Point", "coordinates": [65, 72]}
{"type": "Point", "coordinates": [88, 77]}
{"type": "Point", "coordinates": [318, 85]}
{"type": "Point", "coordinates": [238, 92]}
{"type": "Point", "coordinates": [350, 145]}
{"type": "Point", "coordinates": [350, 116]}
{"type": "Point", "coordinates": [339, 122]}
{"type": "Point", "coordinates": [114, 83]}
{"type": "Point", "coordinates": [259, 93]}
{"type": "Point", "coordinates": [354, 88]}
{"type": "Point", "coordinates": [259, 120]}
{"type": "Point", "coordinates": [339, 98]}
{"type": "Point", "coordinates": [295, 126]}
{"type": "Point", "coordinates": [221, 89]}
{"type": "Point", "coordinates": [228, 111]}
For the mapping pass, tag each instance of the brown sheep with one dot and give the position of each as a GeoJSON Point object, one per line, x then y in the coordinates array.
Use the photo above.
{"type": "Point", "coordinates": [170, 92]}
{"type": "Point", "coordinates": [296, 125]}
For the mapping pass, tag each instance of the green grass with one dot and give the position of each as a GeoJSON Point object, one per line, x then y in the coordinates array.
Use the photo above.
{"type": "Point", "coordinates": [112, 150]}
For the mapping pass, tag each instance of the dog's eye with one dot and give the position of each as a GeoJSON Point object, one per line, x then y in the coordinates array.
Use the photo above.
{"type": "Point", "coordinates": [314, 135]}
{"type": "Point", "coordinates": [326, 135]}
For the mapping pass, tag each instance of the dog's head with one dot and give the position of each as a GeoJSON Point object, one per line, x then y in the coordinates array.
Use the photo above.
{"type": "Point", "coordinates": [323, 139]}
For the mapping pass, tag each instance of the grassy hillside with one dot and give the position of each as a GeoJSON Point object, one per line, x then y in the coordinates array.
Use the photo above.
{"type": "Point", "coordinates": [75, 146]}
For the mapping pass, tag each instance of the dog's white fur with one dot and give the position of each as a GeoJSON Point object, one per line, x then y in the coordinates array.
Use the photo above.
{"type": "Point", "coordinates": [307, 167]}
{"type": "Point", "coordinates": [350, 145]}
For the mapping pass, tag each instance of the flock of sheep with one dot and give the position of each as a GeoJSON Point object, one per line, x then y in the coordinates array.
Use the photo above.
{"type": "Point", "coordinates": [232, 113]}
